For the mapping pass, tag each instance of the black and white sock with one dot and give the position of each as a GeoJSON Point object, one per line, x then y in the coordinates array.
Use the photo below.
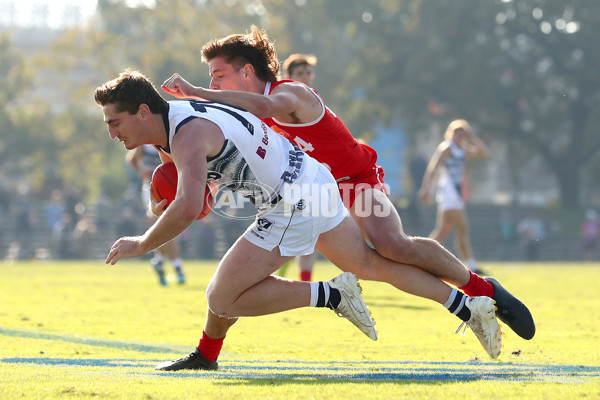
{"type": "Point", "coordinates": [322, 295]}
{"type": "Point", "coordinates": [456, 305]}
{"type": "Point", "coordinates": [177, 263]}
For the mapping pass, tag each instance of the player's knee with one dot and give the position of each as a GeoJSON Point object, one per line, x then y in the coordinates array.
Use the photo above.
{"type": "Point", "coordinates": [396, 247]}
{"type": "Point", "coordinates": [369, 266]}
{"type": "Point", "coordinates": [220, 309]}
{"type": "Point", "coordinates": [217, 303]}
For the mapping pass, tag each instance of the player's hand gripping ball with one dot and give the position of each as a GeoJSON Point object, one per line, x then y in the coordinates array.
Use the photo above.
{"type": "Point", "coordinates": [164, 186]}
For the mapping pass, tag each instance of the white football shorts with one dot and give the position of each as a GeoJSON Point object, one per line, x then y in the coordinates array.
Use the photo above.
{"type": "Point", "coordinates": [448, 197]}
{"type": "Point", "coordinates": [295, 228]}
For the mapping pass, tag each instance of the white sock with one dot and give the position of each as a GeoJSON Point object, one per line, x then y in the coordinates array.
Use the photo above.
{"type": "Point", "coordinates": [177, 263]}
{"type": "Point", "coordinates": [157, 258]}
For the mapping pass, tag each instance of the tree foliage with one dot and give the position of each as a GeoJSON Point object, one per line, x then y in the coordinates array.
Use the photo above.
{"type": "Point", "coordinates": [523, 70]}
{"type": "Point", "coordinates": [15, 81]}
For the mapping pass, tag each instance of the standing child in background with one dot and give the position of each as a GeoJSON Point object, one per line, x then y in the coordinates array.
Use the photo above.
{"type": "Point", "coordinates": [532, 230]}
{"type": "Point", "coordinates": [449, 159]}
{"type": "Point", "coordinates": [590, 229]}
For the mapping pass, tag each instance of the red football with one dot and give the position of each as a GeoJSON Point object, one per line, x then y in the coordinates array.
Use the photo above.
{"type": "Point", "coordinates": [164, 186]}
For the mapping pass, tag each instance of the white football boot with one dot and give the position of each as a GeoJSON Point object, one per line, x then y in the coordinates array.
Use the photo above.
{"type": "Point", "coordinates": [352, 305]}
{"type": "Point", "coordinates": [484, 324]}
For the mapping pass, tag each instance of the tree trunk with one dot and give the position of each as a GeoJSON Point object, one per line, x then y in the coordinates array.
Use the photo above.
{"type": "Point", "coordinates": [569, 183]}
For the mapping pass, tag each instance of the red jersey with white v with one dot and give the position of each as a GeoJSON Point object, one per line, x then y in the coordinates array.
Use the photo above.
{"type": "Point", "coordinates": [330, 142]}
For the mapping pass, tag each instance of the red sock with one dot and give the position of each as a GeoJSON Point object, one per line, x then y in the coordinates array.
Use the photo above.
{"type": "Point", "coordinates": [478, 286]}
{"type": "Point", "coordinates": [305, 275]}
{"type": "Point", "coordinates": [210, 348]}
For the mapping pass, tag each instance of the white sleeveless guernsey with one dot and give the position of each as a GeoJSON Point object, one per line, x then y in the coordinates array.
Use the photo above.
{"type": "Point", "coordinates": [254, 161]}
{"type": "Point", "coordinates": [449, 193]}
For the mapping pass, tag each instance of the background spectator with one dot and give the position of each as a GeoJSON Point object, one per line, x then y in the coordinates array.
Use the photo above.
{"type": "Point", "coordinates": [589, 234]}
{"type": "Point", "coordinates": [532, 230]}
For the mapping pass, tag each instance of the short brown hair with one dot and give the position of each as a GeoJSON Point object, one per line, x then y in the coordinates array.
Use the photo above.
{"type": "Point", "coordinates": [297, 60]}
{"type": "Point", "coordinates": [128, 91]}
{"type": "Point", "coordinates": [251, 48]}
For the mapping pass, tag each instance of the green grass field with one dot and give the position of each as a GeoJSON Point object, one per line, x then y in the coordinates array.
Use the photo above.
{"type": "Point", "coordinates": [86, 330]}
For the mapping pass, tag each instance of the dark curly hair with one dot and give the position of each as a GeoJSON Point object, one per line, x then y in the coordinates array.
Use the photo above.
{"type": "Point", "coordinates": [128, 91]}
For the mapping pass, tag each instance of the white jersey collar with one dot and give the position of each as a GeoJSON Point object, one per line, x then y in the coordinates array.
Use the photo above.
{"type": "Point", "coordinates": [267, 88]}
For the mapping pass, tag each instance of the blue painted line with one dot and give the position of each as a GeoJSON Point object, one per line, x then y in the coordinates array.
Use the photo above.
{"type": "Point", "coordinates": [234, 368]}
{"type": "Point", "coordinates": [380, 371]}
{"type": "Point", "coordinates": [74, 362]}
{"type": "Point", "coordinates": [115, 344]}
{"type": "Point", "coordinates": [456, 364]}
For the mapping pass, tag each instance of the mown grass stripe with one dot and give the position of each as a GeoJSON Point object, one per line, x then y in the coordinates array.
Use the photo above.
{"type": "Point", "coordinates": [115, 344]}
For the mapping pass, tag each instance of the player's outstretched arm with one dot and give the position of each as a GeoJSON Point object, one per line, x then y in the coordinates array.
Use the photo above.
{"type": "Point", "coordinates": [440, 154]}
{"type": "Point", "coordinates": [287, 100]}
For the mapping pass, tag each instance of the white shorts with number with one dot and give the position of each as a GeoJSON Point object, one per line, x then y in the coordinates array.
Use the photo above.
{"type": "Point", "coordinates": [295, 228]}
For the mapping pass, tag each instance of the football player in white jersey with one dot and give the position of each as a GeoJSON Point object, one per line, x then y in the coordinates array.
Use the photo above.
{"type": "Point", "coordinates": [449, 160]}
{"type": "Point", "coordinates": [299, 208]}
